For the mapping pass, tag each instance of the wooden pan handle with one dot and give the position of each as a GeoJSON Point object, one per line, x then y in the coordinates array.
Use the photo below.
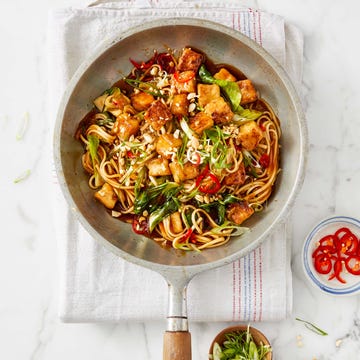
{"type": "Point", "coordinates": [177, 345]}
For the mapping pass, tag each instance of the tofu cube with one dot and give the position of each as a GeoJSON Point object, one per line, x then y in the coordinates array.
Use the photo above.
{"type": "Point", "coordinates": [176, 222]}
{"type": "Point", "coordinates": [157, 115]}
{"type": "Point", "coordinates": [141, 101]}
{"type": "Point", "coordinates": [248, 91]}
{"type": "Point", "coordinates": [179, 104]}
{"type": "Point", "coordinates": [207, 93]}
{"type": "Point", "coordinates": [184, 87]}
{"type": "Point", "coordinates": [235, 178]}
{"type": "Point", "coordinates": [239, 212]}
{"type": "Point", "coordinates": [125, 126]}
{"type": "Point", "coordinates": [219, 110]}
{"type": "Point", "coordinates": [167, 145]}
{"type": "Point", "coordinates": [189, 60]}
{"type": "Point", "coordinates": [200, 122]}
{"type": "Point", "coordinates": [224, 74]}
{"type": "Point", "coordinates": [106, 196]}
{"type": "Point", "coordinates": [158, 167]}
{"type": "Point", "coordinates": [250, 135]}
{"type": "Point", "coordinates": [184, 172]}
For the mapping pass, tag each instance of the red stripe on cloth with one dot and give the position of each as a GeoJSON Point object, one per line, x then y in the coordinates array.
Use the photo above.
{"type": "Point", "coordinates": [259, 27]}
{"type": "Point", "coordinates": [239, 290]}
{"type": "Point", "coordinates": [234, 291]}
{"type": "Point", "coordinates": [261, 282]}
{"type": "Point", "coordinates": [255, 286]}
{"type": "Point", "coordinates": [253, 23]}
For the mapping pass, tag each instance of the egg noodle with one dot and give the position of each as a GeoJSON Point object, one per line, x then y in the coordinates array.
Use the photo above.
{"type": "Point", "coordinates": [183, 150]}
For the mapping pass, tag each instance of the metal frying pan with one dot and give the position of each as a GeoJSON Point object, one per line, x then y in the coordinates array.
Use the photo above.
{"type": "Point", "coordinates": [102, 69]}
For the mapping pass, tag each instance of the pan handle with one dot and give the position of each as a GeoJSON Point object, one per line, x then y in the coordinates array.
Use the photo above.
{"type": "Point", "coordinates": [177, 338]}
{"type": "Point", "coordinates": [177, 345]}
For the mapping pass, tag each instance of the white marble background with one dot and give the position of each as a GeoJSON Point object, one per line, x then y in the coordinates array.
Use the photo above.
{"type": "Point", "coordinates": [29, 326]}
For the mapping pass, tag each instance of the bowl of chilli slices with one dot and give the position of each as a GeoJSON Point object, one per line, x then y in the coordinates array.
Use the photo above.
{"type": "Point", "coordinates": [331, 255]}
{"type": "Point", "coordinates": [240, 342]}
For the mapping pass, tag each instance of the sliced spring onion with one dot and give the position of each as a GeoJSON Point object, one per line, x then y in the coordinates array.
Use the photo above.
{"type": "Point", "coordinates": [313, 327]}
{"type": "Point", "coordinates": [239, 230]}
{"type": "Point", "coordinates": [23, 126]}
{"type": "Point", "coordinates": [185, 127]}
{"type": "Point", "coordinates": [23, 176]}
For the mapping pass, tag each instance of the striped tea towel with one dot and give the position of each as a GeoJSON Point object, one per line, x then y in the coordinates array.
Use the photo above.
{"type": "Point", "coordinates": [99, 286]}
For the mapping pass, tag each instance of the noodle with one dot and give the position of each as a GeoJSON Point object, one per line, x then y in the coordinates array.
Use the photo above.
{"type": "Point", "coordinates": [186, 153]}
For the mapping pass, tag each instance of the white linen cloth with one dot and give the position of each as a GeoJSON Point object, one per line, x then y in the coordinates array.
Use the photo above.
{"type": "Point", "coordinates": [99, 286]}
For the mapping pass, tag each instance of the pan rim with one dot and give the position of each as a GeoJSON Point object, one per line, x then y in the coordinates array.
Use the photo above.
{"type": "Point", "coordinates": [281, 73]}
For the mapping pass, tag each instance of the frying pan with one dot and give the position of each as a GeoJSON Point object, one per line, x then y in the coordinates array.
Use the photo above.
{"type": "Point", "coordinates": [99, 72]}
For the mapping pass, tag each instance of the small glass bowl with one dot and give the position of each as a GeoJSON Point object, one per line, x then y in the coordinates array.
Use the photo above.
{"type": "Point", "coordinates": [256, 334]}
{"type": "Point", "coordinates": [321, 281]}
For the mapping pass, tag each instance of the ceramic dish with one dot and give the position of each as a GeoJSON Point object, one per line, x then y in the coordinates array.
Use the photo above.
{"type": "Point", "coordinates": [257, 335]}
{"type": "Point", "coordinates": [334, 286]}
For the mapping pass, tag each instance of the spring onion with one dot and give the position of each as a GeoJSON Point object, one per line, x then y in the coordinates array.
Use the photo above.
{"type": "Point", "coordinates": [312, 327]}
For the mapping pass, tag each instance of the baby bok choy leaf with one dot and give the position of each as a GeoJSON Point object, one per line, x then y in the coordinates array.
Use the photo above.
{"type": "Point", "coordinates": [162, 212]}
{"type": "Point", "coordinates": [159, 201]}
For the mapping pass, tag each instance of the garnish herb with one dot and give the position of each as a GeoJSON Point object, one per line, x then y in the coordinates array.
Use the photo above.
{"type": "Point", "coordinates": [145, 87]}
{"type": "Point", "coordinates": [313, 327]}
{"type": "Point", "coordinates": [239, 345]}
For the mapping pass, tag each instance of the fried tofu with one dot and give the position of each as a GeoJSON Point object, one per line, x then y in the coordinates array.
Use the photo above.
{"type": "Point", "coordinates": [219, 110]}
{"type": "Point", "coordinates": [167, 144]}
{"type": "Point", "coordinates": [239, 212]}
{"type": "Point", "coordinates": [179, 104]}
{"type": "Point", "coordinates": [200, 122]}
{"type": "Point", "coordinates": [158, 167]}
{"type": "Point", "coordinates": [207, 93]}
{"type": "Point", "coordinates": [125, 126]}
{"type": "Point", "coordinates": [185, 87]}
{"type": "Point", "coordinates": [224, 74]}
{"type": "Point", "coordinates": [189, 60]}
{"type": "Point", "coordinates": [181, 173]}
{"type": "Point", "coordinates": [236, 178]}
{"type": "Point", "coordinates": [157, 115]}
{"type": "Point", "coordinates": [248, 91]}
{"type": "Point", "coordinates": [106, 196]}
{"type": "Point", "coordinates": [250, 135]}
{"type": "Point", "coordinates": [176, 222]}
{"type": "Point", "coordinates": [141, 100]}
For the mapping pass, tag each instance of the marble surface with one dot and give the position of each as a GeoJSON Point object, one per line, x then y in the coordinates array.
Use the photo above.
{"type": "Point", "coordinates": [29, 326]}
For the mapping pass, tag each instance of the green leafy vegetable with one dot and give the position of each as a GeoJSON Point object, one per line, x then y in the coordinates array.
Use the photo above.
{"type": "Point", "coordinates": [218, 208]}
{"type": "Point", "coordinates": [312, 327]}
{"type": "Point", "coordinates": [230, 88]}
{"type": "Point", "coordinates": [155, 197]}
{"type": "Point", "coordinates": [246, 115]}
{"type": "Point", "coordinates": [239, 345]}
{"type": "Point", "coordinates": [169, 207]}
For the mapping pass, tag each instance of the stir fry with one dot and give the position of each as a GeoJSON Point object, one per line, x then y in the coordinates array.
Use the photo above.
{"type": "Point", "coordinates": [183, 149]}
